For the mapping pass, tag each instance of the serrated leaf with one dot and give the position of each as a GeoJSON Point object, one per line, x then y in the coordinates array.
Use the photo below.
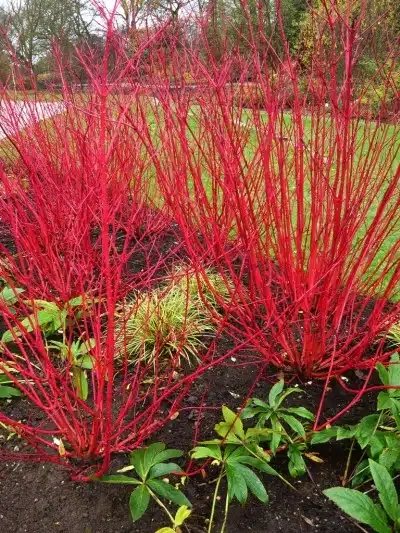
{"type": "Point", "coordinates": [237, 487]}
{"type": "Point", "coordinates": [383, 373]}
{"type": "Point", "coordinates": [295, 424]}
{"type": "Point", "coordinates": [275, 392]}
{"type": "Point", "coordinates": [168, 454]}
{"type": "Point", "coordinates": [389, 457]}
{"type": "Point", "coordinates": [259, 464]}
{"type": "Point", "coordinates": [301, 411]}
{"type": "Point", "coordinates": [277, 434]}
{"type": "Point", "coordinates": [204, 452]}
{"type": "Point", "coordinates": [75, 302]}
{"type": "Point", "coordinates": [136, 459]}
{"type": "Point", "coordinates": [384, 401]}
{"type": "Point", "coordinates": [138, 502]}
{"type": "Point", "coordinates": [325, 435]}
{"type": "Point", "coordinates": [163, 469]}
{"type": "Point", "coordinates": [386, 489]}
{"type": "Point", "coordinates": [346, 432]}
{"type": "Point", "coordinates": [366, 429]}
{"type": "Point", "coordinates": [358, 506]}
{"type": "Point", "coordinates": [168, 492]}
{"type": "Point", "coordinates": [150, 455]}
{"type": "Point", "coordinates": [233, 421]}
{"type": "Point", "coordinates": [253, 482]}
{"type": "Point", "coordinates": [258, 433]}
{"type": "Point", "coordinates": [226, 431]}
{"type": "Point", "coordinates": [9, 295]}
{"type": "Point", "coordinates": [377, 444]}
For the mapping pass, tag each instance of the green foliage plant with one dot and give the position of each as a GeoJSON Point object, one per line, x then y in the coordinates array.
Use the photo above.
{"type": "Point", "coordinates": [283, 426]}
{"type": "Point", "coordinates": [151, 465]}
{"type": "Point", "coordinates": [384, 518]}
{"type": "Point", "coordinates": [237, 454]}
{"type": "Point", "coordinates": [377, 434]}
{"type": "Point", "coordinates": [77, 353]}
{"type": "Point", "coordinates": [48, 317]}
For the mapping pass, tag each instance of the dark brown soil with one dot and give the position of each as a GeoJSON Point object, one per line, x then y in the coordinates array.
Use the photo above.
{"type": "Point", "coordinates": [36, 498]}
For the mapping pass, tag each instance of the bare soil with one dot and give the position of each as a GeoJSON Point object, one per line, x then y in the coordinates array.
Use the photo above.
{"type": "Point", "coordinates": [39, 498]}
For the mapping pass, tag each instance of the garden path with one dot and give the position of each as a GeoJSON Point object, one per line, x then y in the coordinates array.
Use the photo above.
{"type": "Point", "coordinates": [15, 116]}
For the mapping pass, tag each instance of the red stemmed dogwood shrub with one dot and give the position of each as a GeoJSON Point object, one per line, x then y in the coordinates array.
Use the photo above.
{"type": "Point", "coordinates": [298, 203]}
{"type": "Point", "coordinates": [84, 233]}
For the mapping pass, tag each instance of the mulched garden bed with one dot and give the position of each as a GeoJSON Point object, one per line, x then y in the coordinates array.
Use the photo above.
{"type": "Point", "coordinates": [36, 498]}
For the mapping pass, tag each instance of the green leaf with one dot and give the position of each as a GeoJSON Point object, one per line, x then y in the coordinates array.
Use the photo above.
{"type": "Point", "coordinates": [295, 424]}
{"type": "Point", "coordinates": [384, 401]}
{"type": "Point", "coordinates": [386, 489]}
{"type": "Point", "coordinates": [383, 374]}
{"type": "Point", "coordinates": [358, 506]}
{"type": "Point", "coordinates": [253, 482]}
{"type": "Point", "coordinates": [394, 370]}
{"type": "Point", "coordinates": [139, 502]}
{"type": "Point", "coordinates": [366, 429]}
{"type": "Point", "coordinates": [181, 515]}
{"type": "Point", "coordinates": [203, 452]}
{"type": "Point", "coordinates": [346, 432]}
{"type": "Point", "coordinates": [275, 392]}
{"type": "Point", "coordinates": [80, 382]}
{"type": "Point", "coordinates": [325, 435]}
{"type": "Point", "coordinates": [8, 392]}
{"type": "Point", "coordinates": [9, 295]}
{"type": "Point", "coordinates": [168, 454]}
{"type": "Point", "coordinates": [85, 362]}
{"type": "Point", "coordinates": [233, 421]}
{"type": "Point", "coordinates": [237, 486]}
{"type": "Point", "coordinates": [297, 466]}
{"type": "Point", "coordinates": [259, 464]}
{"type": "Point", "coordinates": [166, 530]}
{"type": "Point", "coordinates": [361, 473]}
{"type": "Point", "coordinates": [377, 445]}
{"type": "Point", "coordinates": [136, 459]}
{"type": "Point", "coordinates": [301, 411]}
{"type": "Point", "coordinates": [119, 479]}
{"type": "Point", "coordinates": [75, 302]}
{"type": "Point", "coordinates": [150, 455]}
{"type": "Point", "coordinates": [163, 469]}
{"type": "Point", "coordinates": [277, 434]}
{"type": "Point", "coordinates": [389, 457]}
{"type": "Point", "coordinates": [168, 492]}
{"type": "Point", "coordinates": [226, 431]}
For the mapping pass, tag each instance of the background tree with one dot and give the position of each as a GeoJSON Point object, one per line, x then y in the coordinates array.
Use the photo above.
{"type": "Point", "coordinates": [34, 25]}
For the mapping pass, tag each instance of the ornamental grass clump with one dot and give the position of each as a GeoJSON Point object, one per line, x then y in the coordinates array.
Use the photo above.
{"type": "Point", "coordinates": [165, 324]}
{"type": "Point", "coordinates": [207, 289]}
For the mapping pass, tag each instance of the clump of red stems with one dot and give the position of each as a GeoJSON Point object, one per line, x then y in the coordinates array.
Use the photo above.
{"type": "Point", "coordinates": [293, 200]}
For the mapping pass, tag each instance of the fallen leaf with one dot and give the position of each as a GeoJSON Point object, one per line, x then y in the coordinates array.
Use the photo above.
{"type": "Point", "coordinates": [314, 457]}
